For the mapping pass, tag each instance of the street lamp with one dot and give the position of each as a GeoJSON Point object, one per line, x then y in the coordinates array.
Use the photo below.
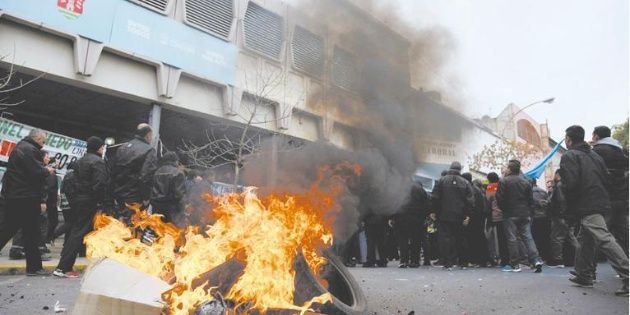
{"type": "Point", "coordinates": [547, 101]}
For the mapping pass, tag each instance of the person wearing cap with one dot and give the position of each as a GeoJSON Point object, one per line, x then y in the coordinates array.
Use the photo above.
{"type": "Point", "coordinates": [453, 202]}
{"type": "Point", "coordinates": [515, 197]}
{"type": "Point", "coordinates": [168, 188]}
{"type": "Point", "coordinates": [133, 167]}
{"type": "Point", "coordinates": [91, 184]}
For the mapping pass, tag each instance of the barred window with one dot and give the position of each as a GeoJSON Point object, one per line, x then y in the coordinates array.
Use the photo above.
{"type": "Point", "coordinates": [263, 31]}
{"type": "Point", "coordinates": [344, 70]}
{"type": "Point", "coordinates": [213, 16]}
{"type": "Point", "coordinates": [308, 51]}
{"type": "Point", "coordinates": [156, 5]}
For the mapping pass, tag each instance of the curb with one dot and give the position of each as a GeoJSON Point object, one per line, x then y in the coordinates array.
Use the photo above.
{"type": "Point", "coordinates": [20, 268]}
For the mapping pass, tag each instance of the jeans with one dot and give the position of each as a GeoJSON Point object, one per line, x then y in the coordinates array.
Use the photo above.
{"type": "Point", "coordinates": [520, 228]}
{"type": "Point", "coordinates": [451, 243]}
{"type": "Point", "coordinates": [561, 233]}
{"type": "Point", "coordinates": [593, 236]}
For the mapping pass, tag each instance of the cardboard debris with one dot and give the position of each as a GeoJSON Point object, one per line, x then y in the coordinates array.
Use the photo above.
{"type": "Point", "coordinates": [109, 287]}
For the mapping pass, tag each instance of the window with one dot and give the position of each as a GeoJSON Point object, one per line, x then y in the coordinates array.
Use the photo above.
{"type": "Point", "coordinates": [527, 132]}
{"type": "Point", "coordinates": [344, 70]}
{"type": "Point", "coordinates": [308, 52]}
{"type": "Point", "coordinates": [155, 5]}
{"type": "Point", "coordinates": [213, 16]}
{"type": "Point", "coordinates": [263, 31]}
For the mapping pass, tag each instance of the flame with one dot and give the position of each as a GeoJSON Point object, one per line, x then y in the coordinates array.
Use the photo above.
{"type": "Point", "coordinates": [265, 234]}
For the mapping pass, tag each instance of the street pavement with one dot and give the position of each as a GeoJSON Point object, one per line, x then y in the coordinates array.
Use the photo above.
{"type": "Point", "coordinates": [427, 290]}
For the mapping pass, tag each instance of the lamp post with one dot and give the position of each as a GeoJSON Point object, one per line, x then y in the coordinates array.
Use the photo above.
{"type": "Point", "coordinates": [547, 101]}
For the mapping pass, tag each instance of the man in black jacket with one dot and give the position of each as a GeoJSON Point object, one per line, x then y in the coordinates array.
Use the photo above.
{"type": "Point", "coordinates": [453, 201]}
{"type": "Point", "coordinates": [168, 188]}
{"type": "Point", "coordinates": [617, 164]}
{"type": "Point", "coordinates": [515, 197]}
{"type": "Point", "coordinates": [133, 167]}
{"type": "Point", "coordinates": [562, 225]}
{"type": "Point", "coordinates": [584, 183]}
{"type": "Point", "coordinates": [91, 184]}
{"type": "Point", "coordinates": [409, 226]}
{"type": "Point", "coordinates": [22, 188]}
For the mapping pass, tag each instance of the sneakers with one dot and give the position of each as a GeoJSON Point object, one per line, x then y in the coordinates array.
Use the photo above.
{"type": "Point", "coordinates": [448, 268]}
{"type": "Point", "coordinates": [40, 272]}
{"type": "Point", "coordinates": [538, 266]}
{"type": "Point", "coordinates": [581, 282]}
{"type": "Point", "coordinates": [509, 268]}
{"type": "Point", "coordinates": [70, 274]}
{"type": "Point", "coordinates": [574, 273]}
{"type": "Point", "coordinates": [402, 266]}
{"type": "Point", "coordinates": [555, 264]}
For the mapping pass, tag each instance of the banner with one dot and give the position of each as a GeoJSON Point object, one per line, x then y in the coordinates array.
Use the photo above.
{"type": "Point", "coordinates": [64, 149]}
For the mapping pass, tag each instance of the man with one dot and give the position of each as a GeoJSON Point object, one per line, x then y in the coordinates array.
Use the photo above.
{"type": "Point", "coordinates": [91, 184]}
{"type": "Point", "coordinates": [409, 225]}
{"type": "Point", "coordinates": [168, 189]}
{"type": "Point", "coordinates": [584, 180]}
{"type": "Point", "coordinates": [541, 227]}
{"type": "Point", "coordinates": [52, 199]}
{"type": "Point", "coordinates": [562, 225]}
{"type": "Point", "coordinates": [515, 197]}
{"type": "Point", "coordinates": [375, 228]}
{"type": "Point", "coordinates": [68, 188]}
{"type": "Point", "coordinates": [133, 167]}
{"type": "Point", "coordinates": [452, 201]}
{"type": "Point", "coordinates": [477, 251]}
{"type": "Point", "coordinates": [497, 243]}
{"type": "Point", "coordinates": [22, 190]}
{"type": "Point", "coordinates": [617, 164]}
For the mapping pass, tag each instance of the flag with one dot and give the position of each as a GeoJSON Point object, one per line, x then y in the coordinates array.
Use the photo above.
{"type": "Point", "coordinates": [537, 171]}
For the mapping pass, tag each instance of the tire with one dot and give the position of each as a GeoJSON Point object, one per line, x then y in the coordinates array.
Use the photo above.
{"type": "Point", "coordinates": [347, 296]}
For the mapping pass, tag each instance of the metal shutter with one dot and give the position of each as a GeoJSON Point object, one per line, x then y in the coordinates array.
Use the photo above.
{"type": "Point", "coordinates": [344, 70]}
{"type": "Point", "coordinates": [263, 31]}
{"type": "Point", "coordinates": [214, 16]}
{"type": "Point", "coordinates": [308, 51]}
{"type": "Point", "coordinates": [157, 5]}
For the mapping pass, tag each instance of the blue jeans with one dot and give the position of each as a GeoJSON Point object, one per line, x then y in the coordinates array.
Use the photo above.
{"type": "Point", "coordinates": [517, 229]}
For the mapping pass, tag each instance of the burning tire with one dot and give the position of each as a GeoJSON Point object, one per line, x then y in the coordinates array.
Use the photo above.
{"type": "Point", "coordinates": [347, 295]}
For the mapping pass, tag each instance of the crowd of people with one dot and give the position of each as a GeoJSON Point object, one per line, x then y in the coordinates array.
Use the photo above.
{"type": "Point", "coordinates": [131, 178]}
{"type": "Point", "coordinates": [509, 221]}
{"type": "Point", "coordinates": [505, 221]}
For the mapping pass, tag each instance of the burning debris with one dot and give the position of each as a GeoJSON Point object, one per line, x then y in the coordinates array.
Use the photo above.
{"type": "Point", "coordinates": [263, 255]}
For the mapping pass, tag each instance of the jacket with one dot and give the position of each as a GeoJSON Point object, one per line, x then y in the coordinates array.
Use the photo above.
{"type": "Point", "coordinates": [168, 184]}
{"type": "Point", "coordinates": [416, 206]}
{"type": "Point", "coordinates": [617, 164]}
{"type": "Point", "coordinates": [68, 186]}
{"type": "Point", "coordinates": [515, 196]}
{"type": "Point", "coordinates": [496, 214]}
{"type": "Point", "coordinates": [557, 202]}
{"type": "Point", "coordinates": [51, 188]}
{"type": "Point", "coordinates": [541, 202]}
{"type": "Point", "coordinates": [584, 181]}
{"type": "Point", "coordinates": [91, 178]}
{"type": "Point", "coordinates": [453, 197]}
{"type": "Point", "coordinates": [25, 174]}
{"type": "Point", "coordinates": [133, 167]}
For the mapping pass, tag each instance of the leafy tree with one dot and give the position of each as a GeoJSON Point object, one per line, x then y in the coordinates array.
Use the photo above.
{"type": "Point", "coordinates": [495, 156]}
{"type": "Point", "coordinates": [620, 132]}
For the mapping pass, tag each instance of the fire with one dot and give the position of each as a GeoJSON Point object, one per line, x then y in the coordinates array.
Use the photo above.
{"type": "Point", "coordinates": [264, 234]}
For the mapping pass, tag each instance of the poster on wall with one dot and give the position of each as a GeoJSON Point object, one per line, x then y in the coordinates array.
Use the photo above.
{"type": "Point", "coordinates": [65, 149]}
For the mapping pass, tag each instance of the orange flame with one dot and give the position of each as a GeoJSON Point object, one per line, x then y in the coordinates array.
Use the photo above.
{"type": "Point", "coordinates": [268, 232]}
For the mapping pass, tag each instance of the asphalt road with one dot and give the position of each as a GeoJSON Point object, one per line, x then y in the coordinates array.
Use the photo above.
{"type": "Point", "coordinates": [426, 290]}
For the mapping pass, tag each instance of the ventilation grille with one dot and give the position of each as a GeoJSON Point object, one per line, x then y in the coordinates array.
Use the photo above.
{"type": "Point", "coordinates": [263, 31]}
{"type": "Point", "coordinates": [344, 70]}
{"type": "Point", "coordinates": [308, 52]}
{"type": "Point", "coordinates": [214, 16]}
{"type": "Point", "coordinates": [156, 5]}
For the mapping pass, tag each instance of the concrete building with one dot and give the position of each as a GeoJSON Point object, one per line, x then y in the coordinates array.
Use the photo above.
{"type": "Point", "coordinates": [184, 64]}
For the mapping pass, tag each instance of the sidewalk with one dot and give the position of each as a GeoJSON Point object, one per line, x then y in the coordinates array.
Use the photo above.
{"type": "Point", "coordinates": [17, 267]}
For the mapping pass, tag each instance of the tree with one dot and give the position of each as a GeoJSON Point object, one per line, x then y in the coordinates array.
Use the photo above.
{"type": "Point", "coordinates": [620, 132]}
{"type": "Point", "coordinates": [230, 143]}
{"type": "Point", "coordinates": [495, 156]}
{"type": "Point", "coordinates": [8, 85]}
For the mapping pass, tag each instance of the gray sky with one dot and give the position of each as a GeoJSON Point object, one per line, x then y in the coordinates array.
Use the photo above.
{"type": "Point", "coordinates": [525, 51]}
